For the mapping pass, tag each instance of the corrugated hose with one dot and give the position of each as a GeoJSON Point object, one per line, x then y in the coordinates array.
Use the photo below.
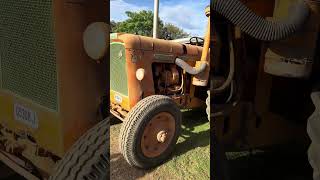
{"type": "Point", "coordinates": [258, 27]}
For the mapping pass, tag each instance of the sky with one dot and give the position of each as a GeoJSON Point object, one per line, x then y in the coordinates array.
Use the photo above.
{"type": "Point", "coordinates": [186, 14]}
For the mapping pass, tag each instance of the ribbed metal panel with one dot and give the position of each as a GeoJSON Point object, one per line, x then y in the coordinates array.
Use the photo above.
{"type": "Point", "coordinates": [118, 69]}
{"type": "Point", "coordinates": [27, 50]}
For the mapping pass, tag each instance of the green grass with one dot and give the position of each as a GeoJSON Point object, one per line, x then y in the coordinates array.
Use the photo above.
{"type": "Point", "coordinates": [191, 158]}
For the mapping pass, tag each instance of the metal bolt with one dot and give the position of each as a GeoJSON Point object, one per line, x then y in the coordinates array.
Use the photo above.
{"type": "Point", "coordinates": [162, 136]}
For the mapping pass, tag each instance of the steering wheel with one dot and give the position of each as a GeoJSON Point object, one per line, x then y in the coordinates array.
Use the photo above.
{"type": "Point", "coordinates": [196, 41]}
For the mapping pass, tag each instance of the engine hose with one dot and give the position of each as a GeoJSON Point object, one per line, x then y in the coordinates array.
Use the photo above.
{"type": "Point", "coordinates": [227, 83]}
{"type": "Point", "coordinates": [189, 69]}
{"type": "Point", "coordinates": [180, 88]}
{"type": "Point", "coordinates": [231, 92]}
{"type": "Point", "coordinates": [258, 27]}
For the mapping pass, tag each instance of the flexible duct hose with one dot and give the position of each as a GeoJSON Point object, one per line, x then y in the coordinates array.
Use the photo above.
{"type": "Point", "coordinates": [258, 27]}
{"type": "Point", "coordinates": [189, 69]}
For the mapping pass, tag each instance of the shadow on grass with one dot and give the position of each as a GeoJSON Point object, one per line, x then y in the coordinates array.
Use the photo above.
{"type": "Point", "coordinates": [192, 137]}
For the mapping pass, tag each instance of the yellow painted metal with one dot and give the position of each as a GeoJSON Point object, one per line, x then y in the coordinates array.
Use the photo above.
{"type": "Point", "coordinates": [49, 133]}
{"type": "Point", "coordinates": [206, 45]}
{"type": "Point", "coordinates": [281, 8]}
{"type": "Point", "coordinates": [124, 100]}
{"type": "Point", "coordinates": [202, 78]}
{"type": "Point", "coordinates": [79, 88]}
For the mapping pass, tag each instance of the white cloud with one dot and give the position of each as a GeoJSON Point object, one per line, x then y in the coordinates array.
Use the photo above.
{"type": "Point", "coordinates": [119, 7]}
{"type": "Point", "coordinates": [189, 17]}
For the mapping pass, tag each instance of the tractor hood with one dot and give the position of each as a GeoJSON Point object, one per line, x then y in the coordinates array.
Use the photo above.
{"type": "Point", "coordinates": [143, 43]}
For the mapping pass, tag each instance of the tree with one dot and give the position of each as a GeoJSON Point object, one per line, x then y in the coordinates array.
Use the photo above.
{"type": "Point", "coordinates": [113, 26]}
{"type": "Point", "coordinates": [141, 23]}
{"type": "Point", "coordinates": [171, 31]}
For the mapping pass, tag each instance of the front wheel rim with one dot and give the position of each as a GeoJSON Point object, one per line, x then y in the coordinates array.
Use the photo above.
{"type": "Point", "coordinates": [158, 134]}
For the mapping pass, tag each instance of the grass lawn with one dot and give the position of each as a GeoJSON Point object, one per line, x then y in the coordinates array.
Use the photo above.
{"type": "Point", "coordinates": [190, 160]}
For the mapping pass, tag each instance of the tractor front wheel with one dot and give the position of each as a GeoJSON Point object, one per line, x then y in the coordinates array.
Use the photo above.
{"type": "Point", "coordinates": [88, 158]}
{"type": "Point", "coordinates": [150, 131]}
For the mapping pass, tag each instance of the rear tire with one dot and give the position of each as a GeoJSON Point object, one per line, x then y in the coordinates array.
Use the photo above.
{"type": "Point", "coordinates": [314, 132]}
{"type": "Point", "coordinates": [141, 132]}
{"type": "Point", "coordinates": [88, 158]}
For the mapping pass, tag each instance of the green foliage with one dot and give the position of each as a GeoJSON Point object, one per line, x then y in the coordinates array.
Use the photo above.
{"type": "Point", "coordinates": [173, 32]}
{"type": "Point", "coordinates": [113, 26]}
{"type": "Point", "coordinates": [141, 23]}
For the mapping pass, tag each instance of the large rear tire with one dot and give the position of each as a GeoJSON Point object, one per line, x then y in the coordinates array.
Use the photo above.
{"type": "Point", "coordinates": [150, 131]}
{"type": "Point", "coordinates": [314, 135]}
{"type": "Point", "coordinates": [88, 158]}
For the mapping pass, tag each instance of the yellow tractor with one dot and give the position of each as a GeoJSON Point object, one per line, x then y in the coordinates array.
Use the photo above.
{"type": "Point", "coordinates": [150, 81]}
{"type": "Point", "coordinates": [52, 94]}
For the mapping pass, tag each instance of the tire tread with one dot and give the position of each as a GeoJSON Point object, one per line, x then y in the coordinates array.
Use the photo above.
{"type": "Point", "coordinates": [88, 158]}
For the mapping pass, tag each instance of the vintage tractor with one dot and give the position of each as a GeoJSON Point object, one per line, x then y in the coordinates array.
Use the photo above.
{"type": "Point", "coordinates": [52, 94]}
{"type": "Point", "coordinates": [150, 81]}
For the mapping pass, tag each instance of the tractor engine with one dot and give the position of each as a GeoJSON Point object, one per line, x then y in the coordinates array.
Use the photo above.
{"type": "Point", "coordinates": [168, 79]}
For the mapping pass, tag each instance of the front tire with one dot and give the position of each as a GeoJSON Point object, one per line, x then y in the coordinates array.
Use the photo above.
{"type": "Point", "coordinates": [150, 131]}
{"type": "Point", "coordinates": [88, 158]}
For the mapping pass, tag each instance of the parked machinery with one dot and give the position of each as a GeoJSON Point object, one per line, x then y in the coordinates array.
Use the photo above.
{"type": "Point", "coordinates": [51, 92]}
{"type": "Point", "coordinates": [150, 80]}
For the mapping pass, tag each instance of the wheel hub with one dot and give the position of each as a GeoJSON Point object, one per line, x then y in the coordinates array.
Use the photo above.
{"type": "Point", "coordinates": [158, 134]}
{"type": "Point", "coordinates": [162, 136]}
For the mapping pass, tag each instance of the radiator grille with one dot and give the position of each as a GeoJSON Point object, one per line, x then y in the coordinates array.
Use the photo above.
{"type": "Point", "coordinates": [118, 70]}
{"type": "Point", "coordinates": [27, 51]}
